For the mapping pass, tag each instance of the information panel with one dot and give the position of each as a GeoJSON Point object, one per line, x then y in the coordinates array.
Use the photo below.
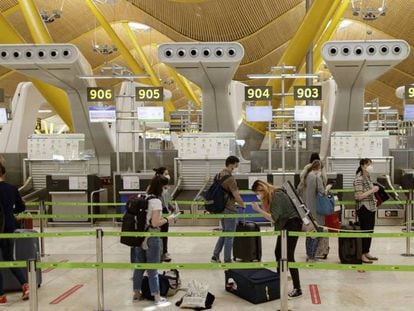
{"type": "Point", "coordinates": [409, 113]}
{"type": "Point", "coordinates": [360, 144]}
{"type": "Point", "coordinates": [3, 116]}
{"type": "Point", "coordinates": [51, 147]}
{"type": "Point", "coordinates": [206, 145]}
{"type": "Point", "coordinates": [259, 113]}
{"type": "Point", "coordinates": [102, 114]}
{"type": "Point", "coordinates": [99, 94]}
{"type": "Point", "coordinates": [307, 113]}
{"type": "Point", "coordinates": [150, 114]}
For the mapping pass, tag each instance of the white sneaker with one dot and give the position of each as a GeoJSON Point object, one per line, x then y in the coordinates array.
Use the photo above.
{"type": "Point", "coordinates": [162, 302]}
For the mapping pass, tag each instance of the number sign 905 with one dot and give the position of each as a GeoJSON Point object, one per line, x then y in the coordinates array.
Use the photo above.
{"type": "Point", "coordinates": [149, 94]}
{"type": "Point", "coordinates": [257, 93]}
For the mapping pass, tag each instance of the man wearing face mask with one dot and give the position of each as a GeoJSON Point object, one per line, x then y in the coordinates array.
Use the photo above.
{"type": "Point", "coordinates": [366, 204]}
{"type": "Point", "coordinates": [166, 208]}
{"type": "Point", "coordinates": [232, 197]}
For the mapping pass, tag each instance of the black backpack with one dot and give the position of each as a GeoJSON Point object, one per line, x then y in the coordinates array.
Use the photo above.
{"type": "Point", "coordinates": [215, 200]}
{"type": "Point", "coordinates": [135, 219]}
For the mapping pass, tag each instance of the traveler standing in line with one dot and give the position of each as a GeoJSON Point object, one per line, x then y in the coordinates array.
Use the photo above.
{"type": "Point", "coordinates": [278, 208]}
{"type": "Point", "coordinates": [366, 204]}
{"type": "Point", "coordinates": [314, 156]}
{"type": "Point", "coordinates": [231, 197]}
{"type": "Point", "coordinates": [166, 208]}
{"type": "Point", "coordinates": [311, 187]}
{"type": "Point", "coordinates": [11, 203]}
{"type": "Point", "coordinates": [149, 251]}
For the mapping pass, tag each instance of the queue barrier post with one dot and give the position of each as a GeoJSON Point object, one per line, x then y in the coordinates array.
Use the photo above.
{"type": "Point", "coordinates": [408, 220]}
{"type": "Point", "coordinates": [41, 226]}
{"type": "Point", "coordinates": [31, 272]}
{"type": "Point", "coordinates": [99, 271]}
{"type": "Point", "coordinates": [284, 272]}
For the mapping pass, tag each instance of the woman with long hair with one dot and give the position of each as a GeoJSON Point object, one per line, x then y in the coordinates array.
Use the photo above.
{"type": "Point", "coordinates": [366, 204]}
{"type": "Point", "coordinates": [278, 208]}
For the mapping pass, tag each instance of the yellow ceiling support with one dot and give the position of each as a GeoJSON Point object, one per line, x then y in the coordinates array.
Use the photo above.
{"type": "Point", "coordinates": [130, 60]}
{"type": "Point", "coordinates": [184, 86]}
{"type": "Point", "coordinates": [40, 33]}
{"type": "Point", "coordinates": [295, 53]}
{"type": "Point", "coordinates": [169, 106]}
{"type": "Point", "coordinates": [53, 95]}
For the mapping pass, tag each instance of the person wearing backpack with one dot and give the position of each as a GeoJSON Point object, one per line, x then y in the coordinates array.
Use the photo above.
{"type": "Point", "coordinates": [149, 251]}
{"type": "Point", "coordinates": [11, 203]}
{"type": "Point", "coordinates": [231, 198]}
{"type": "Point", "coordinates": [278, 208]}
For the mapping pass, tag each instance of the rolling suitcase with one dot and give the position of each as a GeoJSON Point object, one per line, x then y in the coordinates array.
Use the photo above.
{"type": "Point", "coordinates": [248, 248]}
{"type": "Point", "coordinates": [24, 249]}
{"type": "Point", "coordinates": [350, 249]}
{"type": "Point", "coordinates": [331, 221]}
{"type": "Point", "coordinates": [254, 285]}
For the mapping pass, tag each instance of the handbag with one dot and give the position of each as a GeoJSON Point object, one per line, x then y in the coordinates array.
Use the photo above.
{"type": "Point", "coordinates": [380, 196]}
{"type": "Point", "coordinates": [325, 204]}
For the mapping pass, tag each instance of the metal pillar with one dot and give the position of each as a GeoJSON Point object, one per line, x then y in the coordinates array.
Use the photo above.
{"type": "Point", "coordinates": [309, 82]}
{"type": "Point", "coordinates": [31, 272]}
{"type": "Point", "coordinates": [283, 120]}
{"type": "Point", "coordinates": [41, 226]}
{"type": "Point", "coordinates": [283, 272]}
{"type": "Point", "coordinates": [99, 259]}
{"type": "Point", "coordinates": [408, 220]}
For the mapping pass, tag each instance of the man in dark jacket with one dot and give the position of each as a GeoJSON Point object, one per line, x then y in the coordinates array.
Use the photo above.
{"type": "Point", "coordinates": [11, 203]}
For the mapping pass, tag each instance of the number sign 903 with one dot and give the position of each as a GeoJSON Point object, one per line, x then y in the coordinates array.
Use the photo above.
{"type": "Point", "coordinates": [307, 92]}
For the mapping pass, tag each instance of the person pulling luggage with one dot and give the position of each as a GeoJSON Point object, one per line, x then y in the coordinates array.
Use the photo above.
{"type": "Point", "coordinates": [11, 203]}
{"type": "Point", "coordinates": [278, 208]}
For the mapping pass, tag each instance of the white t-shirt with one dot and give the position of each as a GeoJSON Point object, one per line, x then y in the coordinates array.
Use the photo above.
{"type": "Point", "coordinates": [153, 205]}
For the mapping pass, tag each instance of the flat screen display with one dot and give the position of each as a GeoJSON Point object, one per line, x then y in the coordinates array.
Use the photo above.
{"type": "Point", "coordinates": [102, 114]}
{"type": "Point", "coordinates": [307, 113]}
{"type": "Point", "coordinates": [259, 113]}
{"type": "Point", "coordinates": [153, 113]}
{"type": "Point", "coordinates": [3, 116]}
{"type": "Point", "coordinates": [409, 113]}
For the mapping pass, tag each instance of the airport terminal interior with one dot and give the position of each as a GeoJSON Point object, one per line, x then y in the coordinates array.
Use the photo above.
{"type": "Point", "coordinates": [96, 94]}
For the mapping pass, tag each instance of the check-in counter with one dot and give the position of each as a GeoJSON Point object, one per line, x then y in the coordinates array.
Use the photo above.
{"type": "Point", "coordinates": [83, 189]}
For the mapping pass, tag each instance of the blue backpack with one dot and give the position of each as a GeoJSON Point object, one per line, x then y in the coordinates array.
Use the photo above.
{"type": "Point", "coordinates": [215, 200]}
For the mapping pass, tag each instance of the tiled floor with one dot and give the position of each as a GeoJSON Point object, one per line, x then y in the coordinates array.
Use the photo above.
{"type": "Point", "coordinates": [338, 290]}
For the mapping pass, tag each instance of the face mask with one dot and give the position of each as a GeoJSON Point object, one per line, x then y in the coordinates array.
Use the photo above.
{"type": "Point", "coordinates": [168, 177]}
{"type": "Point", "coordinates": [259, 196]}
{"type": "Point", "coordinates": [370, 169]}
{"type": "Point", "coordinates": [235, 170]}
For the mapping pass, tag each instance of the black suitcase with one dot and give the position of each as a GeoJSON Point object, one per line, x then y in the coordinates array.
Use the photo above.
{"type": "Point", "coordinates": [24, 249]}
{"type": "Point", "coordinates": [350, 249]}
{"type": "Point", "coordinates": [254, 285]}
{"type": "Point", "coordinates": [247, 248]}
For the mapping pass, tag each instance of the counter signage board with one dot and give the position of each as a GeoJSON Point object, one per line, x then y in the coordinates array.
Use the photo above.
{"type": "Point", "coordinates": [253, 93]}
{"type": "Point", "coordinates": [303, 92]}
{"type": "Point", "coordinates": [409, 113]}
{"type": "Point", "coordinates": [130, 182]}
{"type": "Point", "coordinates": [3, 116]}
{"type": "Point", "coordinates": [409, 91]}
{"type": "Point", "coordinates": [102, 114]}
{"type": "Point", "coordinates": [150, 113]}
{"type": "Point", "coordinates": [78, 183]}
{"type": "Point", "coordinates": [99, 94]}
{"type": "Point", "coordinates": [259, 113]}
{"type": "Point", "coordinates": [149, 94]}
{"type": "Point", "coordinates": [307, 113]}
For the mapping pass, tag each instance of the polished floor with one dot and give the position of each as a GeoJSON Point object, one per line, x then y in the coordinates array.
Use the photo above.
{"type": "Point", "coordinates": [338, 290]}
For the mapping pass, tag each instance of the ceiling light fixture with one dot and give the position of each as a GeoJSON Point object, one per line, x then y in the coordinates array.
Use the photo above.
{"type": "Point", "coordinates": [138, 26]}
{"type": "Point", "coordinates": [104, 49]}
{"type": "Point", "coordinates": [368, 13]}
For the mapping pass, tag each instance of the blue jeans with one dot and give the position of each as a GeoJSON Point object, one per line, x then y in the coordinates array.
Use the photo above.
{"type": "Point", "coordinates": [151, 255]}
{"type": "Point", "coordinates": [312, 245]}
{"type": "Point", "coordinates": [229, 225]}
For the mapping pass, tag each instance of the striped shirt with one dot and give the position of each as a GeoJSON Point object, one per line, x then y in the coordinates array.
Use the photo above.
{"type": "Point", "coordinates": [361, 185]}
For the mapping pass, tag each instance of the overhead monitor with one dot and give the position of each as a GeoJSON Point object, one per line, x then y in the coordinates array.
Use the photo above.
{"type": "Point", "coordinates": [102, 114]}
{"type": "Point", "coordinates": [307, 113]}
{"type": "Point", "coordinates": [409, 113]}
{"type": "Point", "coordinates": [3, 116]}
{"type": "Point", "coordinates": [259, 113]}
{"type": "Point", "coordinates": [151, 113]}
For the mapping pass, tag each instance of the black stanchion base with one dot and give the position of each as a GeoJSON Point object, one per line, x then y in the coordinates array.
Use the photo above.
{"type": "Point", "coordinates": [407, 255]}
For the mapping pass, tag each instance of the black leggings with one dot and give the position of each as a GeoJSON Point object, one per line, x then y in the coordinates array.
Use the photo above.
{"type": "Point", "coordinates": [366, 222]}
{"type": "Point", "coordinates": [293, 224]}
{"type": "Point", "coordinates": [164, 228]}
{"type": "Point", "coordinates": [6, 246]}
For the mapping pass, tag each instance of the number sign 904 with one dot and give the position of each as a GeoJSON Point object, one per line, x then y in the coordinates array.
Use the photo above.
{"type": "Point", "coordinates": [409, 91]}
{"type": "Point", "coordinates": [257, 93]}
{"type": "Point", "coordinates": [99, 94]}
{"type": "Point", "coordinates": [153, 94]}
{"type": "Point", "coordinates": [307, 92]}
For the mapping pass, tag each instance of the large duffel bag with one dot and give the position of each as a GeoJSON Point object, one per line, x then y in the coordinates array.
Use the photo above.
{"type": "Point", "coordinates": [254, 285]}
